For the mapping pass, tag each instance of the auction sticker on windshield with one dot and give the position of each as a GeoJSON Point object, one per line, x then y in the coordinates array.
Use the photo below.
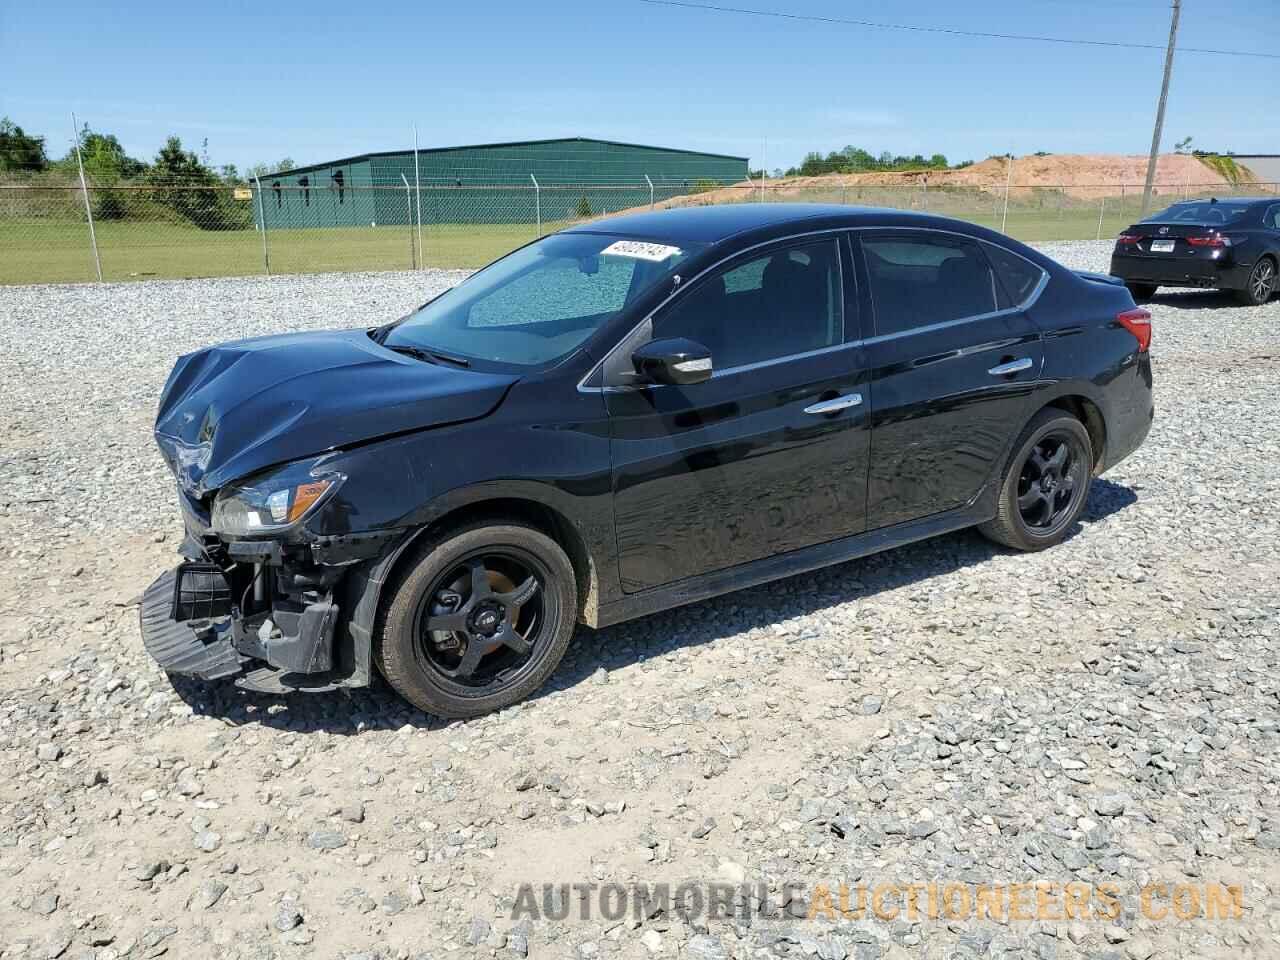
{"type": "Point", "coordinates": [638, 250]}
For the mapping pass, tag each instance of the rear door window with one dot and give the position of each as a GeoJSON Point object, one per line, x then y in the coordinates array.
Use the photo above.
{"type": "Point", "coordinates": [918, 281]}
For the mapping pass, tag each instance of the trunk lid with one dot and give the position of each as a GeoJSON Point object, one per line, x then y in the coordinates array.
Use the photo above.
{"type": "Point", "coordinates": [1167, 240]}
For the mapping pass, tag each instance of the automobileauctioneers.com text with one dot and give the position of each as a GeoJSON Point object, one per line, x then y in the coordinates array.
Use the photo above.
{"type": "Point", "coordinates": [925, 900]}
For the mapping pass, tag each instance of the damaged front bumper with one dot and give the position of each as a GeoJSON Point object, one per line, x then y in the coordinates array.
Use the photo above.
{"type": "Point", "coordinates": [289, 609]}
{"type": "Point", "coordinates": [271, 626]}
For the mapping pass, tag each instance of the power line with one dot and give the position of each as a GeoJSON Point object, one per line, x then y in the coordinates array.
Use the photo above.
{"type": "Point", "coordinates": [950, 31]}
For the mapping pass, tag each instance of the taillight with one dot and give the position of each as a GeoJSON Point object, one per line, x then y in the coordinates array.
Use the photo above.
{"type": "Point", "coordinates": [1209, 241]}
{"type": "Point", "coordinates": [1138, 322]}
{"type": "Point", "coordinates": [1128, 239]}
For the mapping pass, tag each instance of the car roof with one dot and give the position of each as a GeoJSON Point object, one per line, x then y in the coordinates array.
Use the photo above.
{"type": "Point", "coordinates": [1249, 201]}
{"type": "Point", "coordinates": [716, 223]}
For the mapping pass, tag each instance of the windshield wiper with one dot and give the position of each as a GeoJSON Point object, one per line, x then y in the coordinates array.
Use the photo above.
{"type": "Point", "coordinates": [430, 356]}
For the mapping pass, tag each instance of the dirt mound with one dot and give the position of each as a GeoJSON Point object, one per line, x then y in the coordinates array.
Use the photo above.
{"type": "Point", "coordinates": [1079, 176]}
{"type": "Point", "coordinates": [1069, 171]}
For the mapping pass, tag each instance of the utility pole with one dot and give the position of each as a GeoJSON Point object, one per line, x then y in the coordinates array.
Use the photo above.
{"type": "Point", "coordinates": [1164, 95]}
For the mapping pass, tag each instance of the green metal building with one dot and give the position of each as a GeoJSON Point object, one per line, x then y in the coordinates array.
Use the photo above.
{"type": "Point", "coordinates": [544, 180]}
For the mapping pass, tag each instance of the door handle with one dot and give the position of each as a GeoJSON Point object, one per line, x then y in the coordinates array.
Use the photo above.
{"type": "Point", "coordinates": [835, 404]}
{"type": "Point", "coordinates": [1013, 366]}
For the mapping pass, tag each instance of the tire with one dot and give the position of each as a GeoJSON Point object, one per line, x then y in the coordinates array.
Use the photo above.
{"type": "Point", "coordinates": [1142, 291]}
{"type": "Point", "coordinates": [1260, 285]}
{"type": "Point", "coordinates": [1059, 501]}
{"type": "Point", "coordinates": [462, 582]}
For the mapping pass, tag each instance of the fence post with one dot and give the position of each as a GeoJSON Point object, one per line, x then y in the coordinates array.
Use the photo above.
{"type": "Point", "coordinates": [262, 216]}
{"type": "Point", "coordinates": [88, 208]}
{"type": "Point", "coordinates": [650, 183]}
{"type": "Point", "coordinates": [1008, 185]}
{"type": "Point", "coordinates": [417, 186]}
{"type": "Point", "coordinates": [537, 202]}
{"type": "Point", "coordinates": [1101, 210]}
{"type": "Point", "coordinates": [408, 197]}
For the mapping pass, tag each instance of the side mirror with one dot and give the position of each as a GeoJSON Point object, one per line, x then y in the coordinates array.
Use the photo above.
{"type": "Point", "coordinates": [676, 362]}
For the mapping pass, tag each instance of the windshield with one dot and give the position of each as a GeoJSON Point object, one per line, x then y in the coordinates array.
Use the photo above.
{"type": "Point", "coordinates": [1200, 212]}
{"type": "Point", "coordinates": [541, 302]}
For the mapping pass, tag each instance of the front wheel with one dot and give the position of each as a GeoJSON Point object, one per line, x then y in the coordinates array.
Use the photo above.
{"type": "Point", "coordinates": [479, 621]}
{"type": "Point", "coordinates": [1141, 291]}
{"type": "Point", "coordinates": [1261, 284]}
{"type": "Point", "coordinates": [1045, 484]}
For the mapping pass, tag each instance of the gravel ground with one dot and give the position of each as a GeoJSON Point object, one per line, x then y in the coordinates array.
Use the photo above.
{"type": "Point", "coordinates": [1104, 713]}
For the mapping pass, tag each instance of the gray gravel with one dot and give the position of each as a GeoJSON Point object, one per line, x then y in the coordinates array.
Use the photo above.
{"type": "Point", "coordinates": [1105, 712]}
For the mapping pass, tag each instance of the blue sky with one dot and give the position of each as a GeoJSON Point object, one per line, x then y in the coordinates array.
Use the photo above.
{"type": "Point", "coordinates": [319, 80]}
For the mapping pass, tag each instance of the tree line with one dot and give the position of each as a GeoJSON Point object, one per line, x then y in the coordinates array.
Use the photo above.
{"type": "Point", "coordinates": [857, 160]}
{"type": "Point", "coordinates": [182, 185]}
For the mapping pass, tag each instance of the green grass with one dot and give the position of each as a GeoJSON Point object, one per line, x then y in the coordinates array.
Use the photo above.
{"type": "Point", "coordinates": [60, 253]}
{"type": "Point", "coordinates": [37, 252]}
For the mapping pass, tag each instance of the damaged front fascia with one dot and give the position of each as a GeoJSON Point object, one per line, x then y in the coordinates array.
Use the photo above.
{"type": "Point", "coordinates": [305, 629]}
{"type": "Point", "coordinates": [345, 549]}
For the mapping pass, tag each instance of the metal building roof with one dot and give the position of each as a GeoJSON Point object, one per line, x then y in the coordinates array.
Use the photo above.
{"type": "Point", "coordinates": [357, 158]}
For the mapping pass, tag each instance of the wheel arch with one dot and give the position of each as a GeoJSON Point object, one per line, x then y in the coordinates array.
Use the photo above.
{"type": "Point", "coordinates": [1090, 414]}
{"type": "Point", "coordinates": [366, 585]}
{"type": "Point", "coordinates": [1072, 398]}
{"type": "Point", "coordinates": [541, 516]}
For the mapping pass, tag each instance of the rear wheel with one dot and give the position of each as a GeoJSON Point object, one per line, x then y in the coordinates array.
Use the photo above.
{"type": "Point", "coordinates": [1261, 284]}
{"type": "Point", "coordinates": [1142, 291]}
{"type": "Point", "coordinates": [480, 621]}
{"type": "Point", "coordinates": [1045, 483]}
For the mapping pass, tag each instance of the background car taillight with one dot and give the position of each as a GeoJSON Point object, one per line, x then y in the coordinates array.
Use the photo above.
{"type": "Point", "coordinates": [1128, 240]}
{"type": "Point", "coordinates": [1209, 241]}
{"type": "Point", "coordinates": [1138, 322]}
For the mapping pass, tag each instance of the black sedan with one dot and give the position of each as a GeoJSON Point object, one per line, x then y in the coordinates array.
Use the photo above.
{"type": "Point", "coordinates": [634, 414]}
{"type": "Point", "coordinates": [1231, 244]}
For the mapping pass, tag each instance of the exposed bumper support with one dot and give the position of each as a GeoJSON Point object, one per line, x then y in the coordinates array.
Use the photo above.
{"type": "Point", "coordinates": [198, 648]}
{"type": "Point", "coordinates": [289, 647]}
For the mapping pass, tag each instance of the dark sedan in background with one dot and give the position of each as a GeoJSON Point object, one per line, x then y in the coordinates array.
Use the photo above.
{"type": "Point", "coordinates": [1229, 244]}
{"type": "Point", "coordinates": [633, 414]}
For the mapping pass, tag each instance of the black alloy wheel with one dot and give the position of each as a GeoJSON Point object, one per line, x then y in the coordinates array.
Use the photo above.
{"type": "Point", "coordinates": [478, 619]}
{"type": "Point", "coordinates": [1045, 484]}
{"type": "Point", "coordinates": [1261, 284]}
{"type": "Point", "coordinates": [1049, 483]}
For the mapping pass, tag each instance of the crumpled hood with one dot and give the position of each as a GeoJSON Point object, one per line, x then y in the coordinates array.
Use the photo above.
{"type": "Point", "coordinates": [234, 409]}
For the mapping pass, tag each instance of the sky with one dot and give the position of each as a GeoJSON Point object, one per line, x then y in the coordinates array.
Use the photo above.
{"type": "Point", "coordinates": [319, 80]}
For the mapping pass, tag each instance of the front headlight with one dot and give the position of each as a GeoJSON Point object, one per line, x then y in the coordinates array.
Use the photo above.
{"type": "Point", "coordinates": [274, 501]}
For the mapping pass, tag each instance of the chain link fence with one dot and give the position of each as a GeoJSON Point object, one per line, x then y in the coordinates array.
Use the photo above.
{"type": "Point", "coordinates": [65, 233]}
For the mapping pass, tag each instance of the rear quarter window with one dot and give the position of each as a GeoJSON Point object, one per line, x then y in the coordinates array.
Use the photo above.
{"type": "Point", "coordinates": [1018, 277]}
